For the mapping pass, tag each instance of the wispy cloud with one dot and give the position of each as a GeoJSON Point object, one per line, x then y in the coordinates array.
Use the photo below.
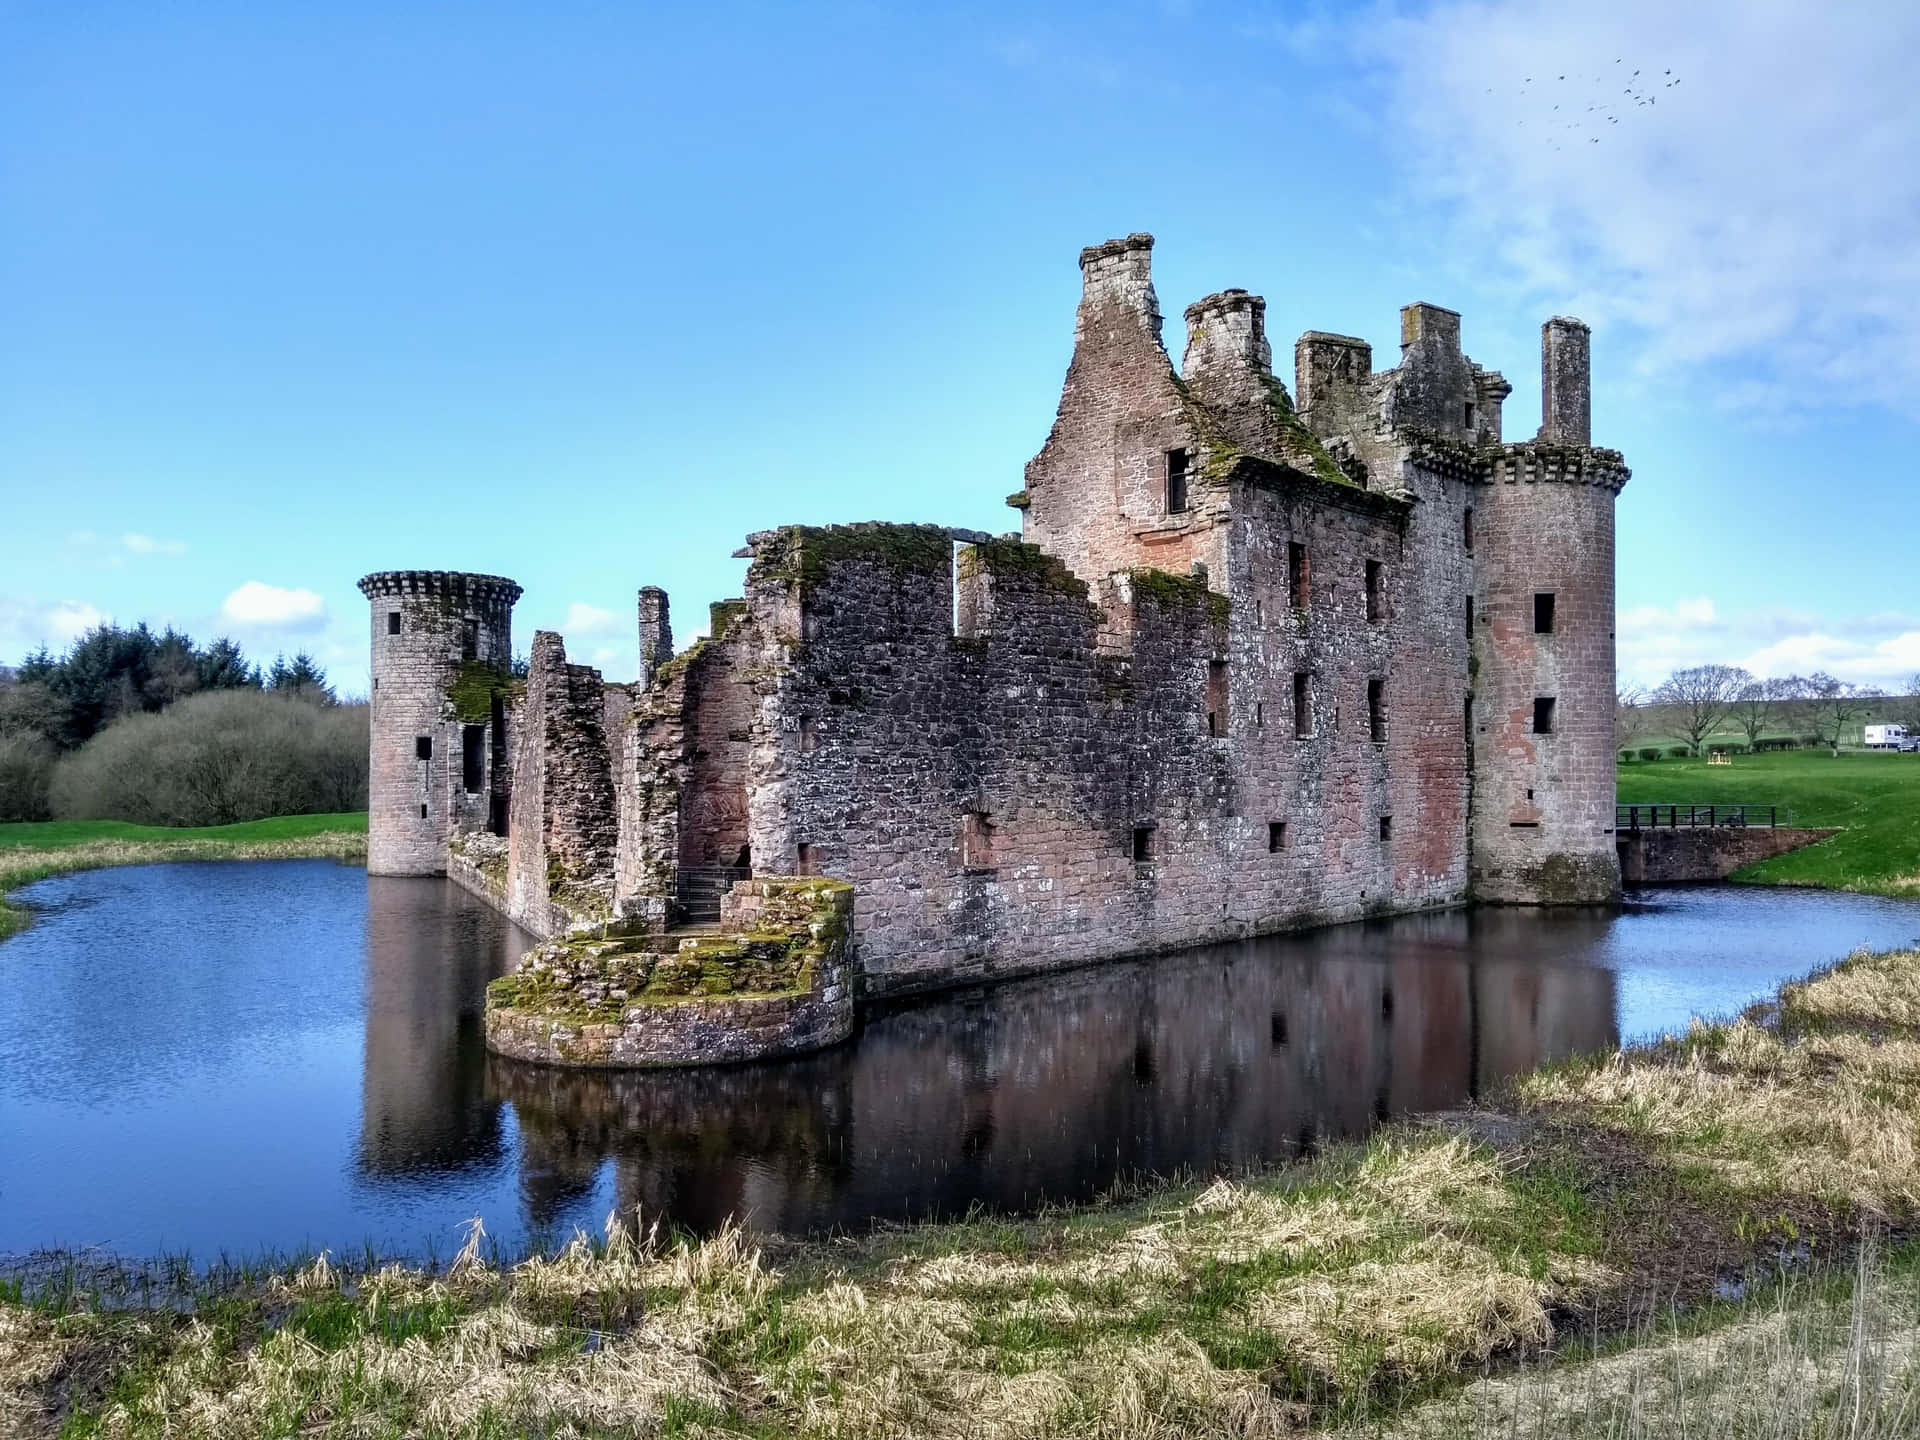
{"type": "Point", "coordinates": [26, 625]}
{"type": "Point", "coordinates": [1734, 178]}
{"type": "Point", "coordinates": [1878, 651]}
{"type": "Point", "coordinates": [582, 620]}
{"type": "Point", "coordinates": [146, 545]}
{"type": "Point", "coordinates": [258, 606]}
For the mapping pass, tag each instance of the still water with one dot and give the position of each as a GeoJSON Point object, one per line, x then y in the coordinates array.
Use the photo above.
{"type": "Point", "coordinates": [286, 1055]}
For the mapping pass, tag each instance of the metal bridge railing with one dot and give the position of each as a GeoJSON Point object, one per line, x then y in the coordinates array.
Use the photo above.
{"type": "Point", "coordinates": [1694, 817]}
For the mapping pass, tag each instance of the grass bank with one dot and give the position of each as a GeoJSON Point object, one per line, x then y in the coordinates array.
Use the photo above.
{"type": "Point", "coordinates": [35, 850]}
{"type": "Point", "coordinates": [1371, 1286]}
{"type": "Point", "coordinates": [1874, 796]}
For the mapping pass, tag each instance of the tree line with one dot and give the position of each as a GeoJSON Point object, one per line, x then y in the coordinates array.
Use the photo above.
{"type": "Point", "coordinates": [133, 724]}
{"type": "Point", "coordinates": [1701, 701]}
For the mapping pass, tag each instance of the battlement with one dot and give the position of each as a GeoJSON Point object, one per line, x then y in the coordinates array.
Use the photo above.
{"type": "Point", "coordinates": [458, 585]}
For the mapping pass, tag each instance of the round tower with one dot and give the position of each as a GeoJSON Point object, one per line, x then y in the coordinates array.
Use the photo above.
{"type": "Point", "coordinates": [1543, 652]}
{"type": "Point", "coordinates": [442, 651]}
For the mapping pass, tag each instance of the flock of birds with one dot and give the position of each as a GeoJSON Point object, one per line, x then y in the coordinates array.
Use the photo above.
{"type": "Point", "coordinates": [1600, 112]}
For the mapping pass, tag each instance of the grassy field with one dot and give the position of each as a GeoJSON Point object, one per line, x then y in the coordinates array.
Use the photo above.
{"type": "Point", "coordinates": [1579, 1227]}
{"type": "Point", "coordinates": [36, 850]}
{"type": "Point", "coordinates": [1873, 795]}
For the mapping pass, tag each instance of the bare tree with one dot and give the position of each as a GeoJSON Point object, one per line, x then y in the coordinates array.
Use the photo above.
{"type": "Point", "coordinates": [1910, 708]}
{"type": "Point", "coordinates": [1762, 706]}
{"type": "Point", "coordinates": [1630, 718]}
{"type": "Point", "coordinates": [1832, 708]}
{"type": "Point", "coordinates": [1703, 697]}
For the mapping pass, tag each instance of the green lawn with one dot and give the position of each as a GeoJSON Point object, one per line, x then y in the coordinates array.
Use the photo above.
{"type": "Point", "coordinates": [54, 834]}
{"type": "Point", "coordinates": [1874, 796]}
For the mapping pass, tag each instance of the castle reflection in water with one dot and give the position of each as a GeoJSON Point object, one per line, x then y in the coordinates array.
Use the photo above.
{"type": "Point", "coordinates": [1218, 1059]}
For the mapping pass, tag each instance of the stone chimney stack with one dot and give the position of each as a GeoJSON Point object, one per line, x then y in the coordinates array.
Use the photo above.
{"type": "Point", "coordinates": [656, 632]}
{"type": "Point", "coordinates": [1227, 337]}
{"type": "Point", "coordinates": [1116, 281]}
{"type": "Point", "coordinates": [1566, 382]}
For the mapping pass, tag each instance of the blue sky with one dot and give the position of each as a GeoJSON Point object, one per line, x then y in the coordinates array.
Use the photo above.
{"type": "Point", "coordinates": [582, 294]}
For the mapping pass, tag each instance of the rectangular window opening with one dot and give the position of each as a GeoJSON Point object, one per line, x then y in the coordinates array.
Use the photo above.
{"type": "Point", "coordinates": [470, 640]}
{"type": "Point", "coordinates": [1276, 836]}
{"type": "Point", "coordinates": [1302, 705]}
{"type": "Point", "coordinates": [473, 758]}
{"type": "Point", "coordinates": [976, 841]}
{"type": "Point", "coordinates": [806, 862]}
{"type": "Point", "coordinates": [1376, 604]}
{"type": "Point", "coordinates": [1467, 418]}
{"type": "Point", "coordinates": [1386, 827]}
{"type": "Point", "coordinates": [1466, 528]}
{"type": "Point", "coordinates": [1142, 844]}
{"type": "Point", "coordinates": [1176, 481]}
{"type": "Point", "coordinates": [1299, 576]}
{"type": "Point", "coordinates": [1543, 613]}
{"type": "Point", "coordinates": [1259, 714]}
{"type": "Point", "coordinates": [1469, 617]}
{"type": "Point", "coordinates": [1216, 697]}
{"type": "Point", "coordinates": [1377, 711]}
{"type": "Point", "coordinates": [393, 622]}
{"type": "Point", "coordinates": [1466, 727]}
{"type": "Point", "coordinates": [809, 734]}
{"type": "Point", "coordinates": [423, 810]}
{"type": "Point", "coordinates": [423, 747]}
{"type": "Point", "coordinates": [1543, 714]}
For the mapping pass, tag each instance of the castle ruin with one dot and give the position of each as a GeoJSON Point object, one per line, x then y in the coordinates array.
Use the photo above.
{"type": "Point", "coordinates": [1256, 661]}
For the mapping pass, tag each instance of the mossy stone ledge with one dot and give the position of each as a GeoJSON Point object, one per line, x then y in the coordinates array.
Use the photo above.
{"type": "Point", "coordinates": [776, 979]}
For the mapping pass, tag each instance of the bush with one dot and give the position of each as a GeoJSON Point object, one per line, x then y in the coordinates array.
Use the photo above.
{"type": "Point", "coordinates": [26, 770]}
{"type": "Point", "coordinates": [1679, 752]}
{"type": "Point", "coordinates": [217, 758]}
{"type": "Point", "coordinates": [1649, 752]}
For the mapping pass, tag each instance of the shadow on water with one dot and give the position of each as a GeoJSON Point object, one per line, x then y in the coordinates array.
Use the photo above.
{"type": "Point", "coordinates": [285, 1055]}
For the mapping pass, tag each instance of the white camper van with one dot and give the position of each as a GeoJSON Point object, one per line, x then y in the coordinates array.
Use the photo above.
{"type": "Point", "coordinates": [1890, 737]}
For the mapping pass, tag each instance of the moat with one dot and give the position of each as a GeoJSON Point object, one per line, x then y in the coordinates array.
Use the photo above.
{"type": "Point", "coordinates": [232, 1058]}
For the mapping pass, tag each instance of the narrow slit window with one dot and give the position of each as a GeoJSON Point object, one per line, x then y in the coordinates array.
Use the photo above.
{"type": "Point", "coordinates": [1469, 617]}
{"type": "Point", "coordinates": [1376, 602]}
{"type": "Point", "coordinates": [423, 747]}
{"type": "Point", "coordinates": [1259, 714]}
{"type": "Point", "coordinates": [470, 640]}
{"type": "Point", "coordinates": [1276, 836]}
{"type": "Point", "coordinates": [809, 734]}
{"type": "Point", "coordinates": [393, 622]}
{"type": "Point", "coordinates": [1176, 482]}
{"type": "Point", "coordinates": [1466, 529]}
{"type": "Point", "coordinates": [473, 758]}
{"type": "Point", "coordinates": [1466, 727]}
{"type": "Point", "coordinates": [1142, 844]}
{"type": "Point", "coordinates": [1377, 711]}
{"type": "Point", "coordinates": [1216, 697]}
{"type": "Point", "coordinates": [976, 841]}
{"type": "Point", "coordinates": [1386, 827]}
{"type": "Point", "coordinates": [1467, 416]}
{"type": "Point", "coordinates": [1543, 613]}
{"type": "Point", "coordinates": [1299, 577]}
{"type": "Point", "coordinates": [1543, 714]}
{"type": "Point", "coordinates": [423, 810]}
{"type": "Point", "coordinates": [807, 862]}
{"type": "Point", "coordinates": [1302, 704]}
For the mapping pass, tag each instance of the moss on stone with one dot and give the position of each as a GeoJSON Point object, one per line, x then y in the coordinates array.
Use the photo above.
{"type": "Point", "coordinates": [1020, 500]}
{"type": "Point", "coordinates": [723, 615]}
{"type": "Point", "coordinates": [811, 552]}
{"type": "Point", "coordinates": [1177, 591]}
{"type": "Point", "coordinates": [1016, 557]}
{"type": "Point", "coordinates": [475, 684]}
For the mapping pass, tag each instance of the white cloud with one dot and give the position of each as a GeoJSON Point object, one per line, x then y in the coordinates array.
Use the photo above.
{"type": "Point", "coordinates": [257, 606]}
{"type": "Point", "coordinates": [584, 619]}
{"type": "Point", "coordinates": [26, 625]}
{"type": "Point", "coordinates": [1747, 198]}
{"type": "Point", "coordinates": [1877, 651]}
{"type": "Point", "coordinates": [146, 545]}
